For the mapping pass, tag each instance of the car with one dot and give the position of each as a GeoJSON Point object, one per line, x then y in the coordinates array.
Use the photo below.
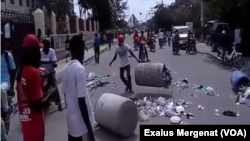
{"type": "Point", "coordinates": [183, 32]}
{"type": "Point", "coordinates": [216, 32]}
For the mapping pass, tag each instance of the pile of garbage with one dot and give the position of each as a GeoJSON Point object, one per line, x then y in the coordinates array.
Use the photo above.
{"type": "Point", "coordinates": [184, 84]}
{"type": "Point", "coordinates": [161, 106]}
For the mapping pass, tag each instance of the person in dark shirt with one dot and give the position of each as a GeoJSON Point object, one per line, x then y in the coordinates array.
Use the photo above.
{"type": "Point", "coordinates": [67, 48]}
{"type": "Point", "coordinates": [97, 47]}
{"type": "Point", "coordinates": [225, 44]}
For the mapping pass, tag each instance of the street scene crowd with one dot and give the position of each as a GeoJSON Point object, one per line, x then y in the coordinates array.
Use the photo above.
{"type": "Point", "coordinates": [163, 76]}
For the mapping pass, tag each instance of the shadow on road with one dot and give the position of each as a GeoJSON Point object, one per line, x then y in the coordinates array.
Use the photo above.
{"type": "Point", "coordinates": [102, 134]}
{"type": "Point", "coordinates": [216, 62]}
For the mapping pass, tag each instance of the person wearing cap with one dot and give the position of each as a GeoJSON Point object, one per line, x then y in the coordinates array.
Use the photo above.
{"type": "Point", "coordinates": [122, 51]}
{"type": "Point", "coordinates": [31, 102]}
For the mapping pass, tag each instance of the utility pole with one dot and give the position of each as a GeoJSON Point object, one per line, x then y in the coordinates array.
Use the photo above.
{"type": "Point", "coordinates": [202, 21]}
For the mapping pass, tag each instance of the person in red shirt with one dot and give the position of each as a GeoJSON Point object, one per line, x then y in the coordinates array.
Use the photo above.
{"type": "Point", "coordinates": [29, 92]}
{"type": "Point", "coordinates": [135, 36]}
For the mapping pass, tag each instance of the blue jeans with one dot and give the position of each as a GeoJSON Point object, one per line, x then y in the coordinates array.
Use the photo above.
{"type": "Point", "coordinates": [4, 97]}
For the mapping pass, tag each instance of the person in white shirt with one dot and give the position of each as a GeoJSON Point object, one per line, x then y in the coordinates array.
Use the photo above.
{"type": "Point", "coordinates": [122, 50]}
{"type": "Point", "coordinates": [238, 39]}
{"type": "Point", "coordinates": [80, 118]}
{"type": "Point", "coordinates": [48, 61]}
{"type": "Point", "coordinates": [161, 36]}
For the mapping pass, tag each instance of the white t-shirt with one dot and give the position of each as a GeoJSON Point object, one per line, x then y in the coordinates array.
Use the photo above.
{"type": "Point", "coordinates": [48, 59]}
{"type": "Point", "coordinates": [237, 37]}
{"type": "Point", "coordinates": [122, 52]}
{"type": "Point", "coordinates": [161, 35]}
{"type": "Point", "coordinates": [74, 87]}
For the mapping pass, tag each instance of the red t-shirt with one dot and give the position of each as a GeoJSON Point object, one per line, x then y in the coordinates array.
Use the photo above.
{"type": "Point", "coordinates": [29, 89]}
{"type": "Point", "coordinates": [142, 38]}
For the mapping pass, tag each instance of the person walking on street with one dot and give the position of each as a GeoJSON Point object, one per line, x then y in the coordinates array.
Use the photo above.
{"type": "Point", "coordinates": [109, 38]}
{"type": "Point", "coordinates": [97, 47]}
{"type": "Point", "coordinates": [122, 51]}
{"type": "Point", "coordinates": [79, 116]}
{"type": "Point", "coordinates": [67, 49]}
{"type": "Point", "coordinates": [31, 102]}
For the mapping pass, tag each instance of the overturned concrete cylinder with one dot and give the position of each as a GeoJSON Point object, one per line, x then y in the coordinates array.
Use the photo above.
{"type": "Point", "coordinates": [152, 75]}
{"type": "Point", "coordinates": [117, 114]}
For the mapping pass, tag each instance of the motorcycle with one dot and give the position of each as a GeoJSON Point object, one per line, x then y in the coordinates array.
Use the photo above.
{"type": "Point", "coordinates": [48, 88]}
{"type": "Point", "coordinates": [136, 44]}
{"type": "Point", "coordinates": [192, 46]}
{"type": "Point", "coordinates": [161, 43]}
{"type": "Point", "coordinates": [233, 59]}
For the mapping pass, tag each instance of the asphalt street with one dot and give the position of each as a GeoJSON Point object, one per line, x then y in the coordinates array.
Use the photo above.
{"type": "Point", "coordinates": [198, 69]}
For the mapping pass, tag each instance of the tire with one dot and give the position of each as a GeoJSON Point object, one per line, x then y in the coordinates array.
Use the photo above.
{"type": "Point", "coordinates": [213, 48]}
{"type": "Point", "coordinates": [238, 61]}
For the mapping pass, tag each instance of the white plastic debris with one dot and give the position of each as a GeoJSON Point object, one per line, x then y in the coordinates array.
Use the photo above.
{"type": "Point", "coordinates": [216, 110]}
{"type": "Point", "coordinates": [91, 76]}
{"type": "Point", "coordinates": [180, 109]}
{"type": "Point", "coordinates": [143, 115]}
{"type": "Point", "coordinates": [209, 89]}
{"type": "Point", "coordinates": [243, 98]}
{"type": "Point", "coordinates": [200, 107]}
{"type": "Point", "coordinates": [175, 120]}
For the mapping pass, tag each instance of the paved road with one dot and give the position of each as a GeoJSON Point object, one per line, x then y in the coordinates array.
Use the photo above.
{"type": "Point", "coordinates": [196, 68]}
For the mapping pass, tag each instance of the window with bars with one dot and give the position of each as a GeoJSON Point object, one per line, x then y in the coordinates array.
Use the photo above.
{"type": "Point", "coordinates": [21, 2]}
{"type": "Point", "coordinates": [28, 3]}
{"type": "Point", "coordinates": [12, 1]}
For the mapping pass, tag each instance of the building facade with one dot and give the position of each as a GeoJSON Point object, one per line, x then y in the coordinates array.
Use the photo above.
{"type": "Point", "coordinates": [18, 6]}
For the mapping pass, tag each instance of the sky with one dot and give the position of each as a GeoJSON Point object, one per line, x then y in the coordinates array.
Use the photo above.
{"type": "Point", "coordinates": [135, 7]}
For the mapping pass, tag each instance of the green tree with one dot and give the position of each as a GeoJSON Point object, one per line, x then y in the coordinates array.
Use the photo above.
{"type": "Point", "coordinates": [107, 12]}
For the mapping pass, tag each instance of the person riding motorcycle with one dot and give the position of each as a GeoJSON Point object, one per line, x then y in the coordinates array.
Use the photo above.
{"type": "Point", "coordinates": [136, 42]}
{"type": "Point", "coordinates": [143, 49]}
{"type": "Point", "coordinates": [161, 38]}
{"type": "Point", "coordinates": [142, 37]}
{"type": "Point", "coordinates": [48, 61]}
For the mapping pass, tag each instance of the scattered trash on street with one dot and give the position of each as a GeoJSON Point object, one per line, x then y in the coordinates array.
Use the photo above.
{"type": "Point", "coordinates": [161, 106]}
{"type": "Point", "coordinates": [94, 81]}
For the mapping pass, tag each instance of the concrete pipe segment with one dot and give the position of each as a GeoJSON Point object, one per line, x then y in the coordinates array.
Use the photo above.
{"type": "Point", "coordinates": [152, 75]}
{"type": "Point", "coordinates": [117, 114]}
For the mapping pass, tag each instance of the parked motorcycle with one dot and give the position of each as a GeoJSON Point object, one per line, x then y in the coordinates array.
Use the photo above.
{"type": "Point", "coordinates": [48, 88]}
{"type": "Point", "coordinates": [233, 59]}
{"type": "Point", "coordinates": [192, 46]}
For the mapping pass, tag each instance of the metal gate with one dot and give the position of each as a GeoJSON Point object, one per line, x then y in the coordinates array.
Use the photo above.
{"type": "Point", "coordinates": [18, 26]}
